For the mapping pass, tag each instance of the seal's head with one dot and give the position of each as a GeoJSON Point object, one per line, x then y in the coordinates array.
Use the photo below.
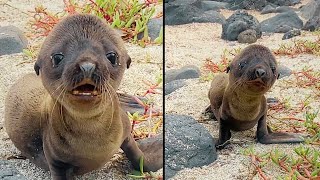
{"type": "Point", "coordinates": [81, 60]}
{"type": "Point", "coordinates": [254, 70]}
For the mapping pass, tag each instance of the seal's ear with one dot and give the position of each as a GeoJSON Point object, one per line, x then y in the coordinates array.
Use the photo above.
{"type": "Point", "coordinates": [128, 62]}
{"type": "Point", "coordinates": [278, 76]}
{"type": "Point", "coordinates": [37, 68]}
{"type": "Point", "coordinates": [228, 69]}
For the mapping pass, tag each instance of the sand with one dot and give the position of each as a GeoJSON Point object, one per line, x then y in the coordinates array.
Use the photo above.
{"type": "Point", "coordinates": [146, 65]}
{"type": "Point", "coordinates": [192, 44]}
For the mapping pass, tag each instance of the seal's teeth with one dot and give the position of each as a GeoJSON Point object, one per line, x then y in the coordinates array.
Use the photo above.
{"type": "Point", "coordinates": [75, 92]}
{"type": "Point", "coordinates": [85, 94]}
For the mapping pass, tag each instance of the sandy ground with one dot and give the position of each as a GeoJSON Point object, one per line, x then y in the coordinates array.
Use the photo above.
{"type": "Point", "coordinates": [192, 44]}
{"type": "Point", "coordinates": [146, 65]}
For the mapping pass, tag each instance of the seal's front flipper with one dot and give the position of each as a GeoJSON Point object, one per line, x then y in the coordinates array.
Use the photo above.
{"type": "Point", "coordinates": [224, 135]}
{"type": "Point", "coordinates": [60, 170]}
{"type": "Point", "coordinates": [150, 149]}
{"type": "Point", "coordinates": [129, 104]}
{"type": "Point", "coordinates": [279, 138]}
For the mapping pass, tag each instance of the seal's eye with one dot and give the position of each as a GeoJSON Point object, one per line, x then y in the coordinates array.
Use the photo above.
{"type": "Point", "coordinates": [57, 58]}
{"type": "Point", "coordinates": [113, 58]}
{"type": "Point", "coordinates": [242, 64]}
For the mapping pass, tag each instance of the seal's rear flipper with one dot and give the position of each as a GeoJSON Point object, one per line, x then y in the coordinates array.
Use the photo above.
{"type": "Point", "coordinates": [209, 113]}
{"type": "Point", "coordinates": [279, 138]}
{"type": "Point", "coordinates": [129, 104]}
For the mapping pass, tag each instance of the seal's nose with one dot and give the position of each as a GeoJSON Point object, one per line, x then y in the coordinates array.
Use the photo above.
{"type": "Point", "coordinates": [87, 68]}
{"type": "Point", "coordinates": [260, 73]}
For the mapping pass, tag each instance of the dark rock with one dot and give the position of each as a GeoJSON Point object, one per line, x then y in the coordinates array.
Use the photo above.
{"type": "Point", "coordinates": [268, 9]}
{"type": "Point", "coordinates": [311, 9]}
{"type": "Point", "coordinates": [183, 2]}
{"type": "Point", "coordinates": [239, 22]}
{"type": "Point", "coordinates": [284, 9]}
{"type": "Point", "coordinates": [280, 9]}
{"type": "Point", "coordinates": [283, 29]}
{"type": "Point", "coordinates": [247, 36]}
{"type": "Point", "coordinates": [12, 40]}
{"type": "Point", "coordinates": [272, 102]}
{"type": "Point", "coordinates": [184, 14]}
{"type": "Point", "coordinates": [9, 172]}
{"type": "Point", "coordinates": [257, 4]}
{"type": "Point", "coordinates": [174, 85]}
{"type": "Point", "coordinates": [312, 24]}
{"type": "Point", "coordinates": [291, 34]}
{"type": "Point", "coordinates": [212, 5]}
{"type": "Point", "coordinates": [247, 4]}
{"type": "Point", "coordinates": [284, 71]}
{"type": "Point", "coordinates": [129, 104]}
{"type": "Point", "coordinates": [284, 2]}
{"type": "Point", "coordinates": [154, 27]}
{"type": "Point", "coordinates": [289, 19]}
{"type": "Point", "coordinates": [186, 72]}
{"type": "Point", "coordinates": [187, 144]}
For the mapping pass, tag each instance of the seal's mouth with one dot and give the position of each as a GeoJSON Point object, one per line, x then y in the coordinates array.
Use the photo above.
{"type": "Point", "coordinates": [257, 82]}
{"type": "Point", "coordinates": [85, 89]}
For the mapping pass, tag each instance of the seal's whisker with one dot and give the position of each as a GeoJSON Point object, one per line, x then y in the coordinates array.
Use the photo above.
{"type": "Point", "coordinates": [112, 106]}
{"type": "Point", "coordinates": [56, 100]}
{"type": "Point", "coordinates": [55, 81]}
{"type": "Point", "coordinates": [103, 101]}
{"type": "Point", "coordinates": [102, 89]}
{"type": "Point", "coordinates": [61, 109]}
{"type": "Point", "coordinates": [52, 93]}
{"type": "Point", "coordinates": [235, 85]}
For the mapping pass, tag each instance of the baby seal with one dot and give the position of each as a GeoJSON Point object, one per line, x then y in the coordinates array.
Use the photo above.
{"type": "Point", "coordinates": [237, 100]}
{"type": "Point", "coordinates": [68, 119]}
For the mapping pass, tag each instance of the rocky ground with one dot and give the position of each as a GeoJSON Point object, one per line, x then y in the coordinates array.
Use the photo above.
{"type": "Point", "coordinates": [146, 65]}
{"type": "Point", "coordinates": [192, 44]}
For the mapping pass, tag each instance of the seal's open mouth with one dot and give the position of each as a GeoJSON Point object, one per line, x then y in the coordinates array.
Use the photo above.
{"type": "Point", "coordinates": [257, 82]}
{"type": "Point", "coordinates": [86, 89]}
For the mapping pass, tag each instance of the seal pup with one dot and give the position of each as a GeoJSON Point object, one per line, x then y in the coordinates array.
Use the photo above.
{"type": "Point", "coordinates": [68, 119]}
{"type": "Point", "coordinates": [237, 100]}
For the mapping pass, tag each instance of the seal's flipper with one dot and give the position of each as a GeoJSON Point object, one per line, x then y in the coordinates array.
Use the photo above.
{"type": "Point", "coordinates": [266, 136]}
{"type": "Point", "coordinates": [209, 113]}
{"type": "Point", "coordinates": [129, 104]}
{"type": "Point", "coordinates": [150, 149]}
{"type": "Point", "coordinates": [279, 138]}
{"type": "Point", "coordinates": [224, 135]}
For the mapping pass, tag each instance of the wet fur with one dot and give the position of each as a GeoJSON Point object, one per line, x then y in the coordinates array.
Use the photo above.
{"type": "Point", "coordinates": [238, 104]}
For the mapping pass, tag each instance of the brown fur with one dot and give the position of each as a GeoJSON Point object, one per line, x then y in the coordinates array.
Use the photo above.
{"type": "Point", "coordinates": [61, 132]}
{"type": "Point", "coordinates": [237, 100]}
